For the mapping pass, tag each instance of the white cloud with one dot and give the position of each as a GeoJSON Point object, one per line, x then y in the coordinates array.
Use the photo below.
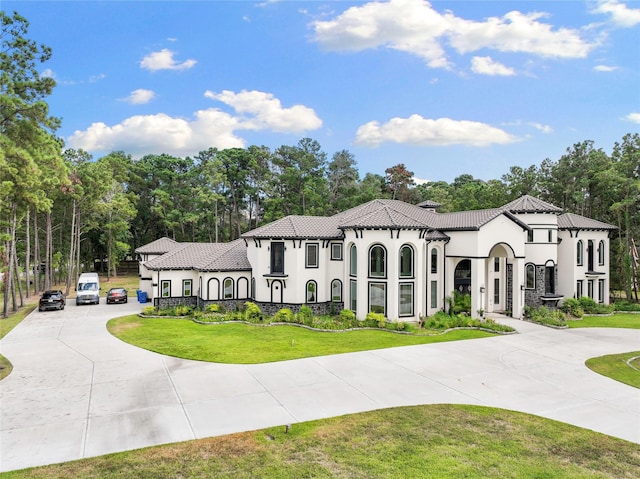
{"type": "Point", "coordinates": [417, 130]}
{"type": "Point", "coordinates": [97, 78]}
{"type": "Point", "coordinates": [621, 14]}
{"type": "Point", "coordinates": [420, 181]}
{"type": "Point", "coordinates": [541, 127]}
{"type": "Point", "coordinates": [163, 60]}
{"type": "Point", "coordinates": [488, 66]}
{"type": "Point", "coordinates": [264, 111]}
{"type": "Point", "coordinates": [415, 27]}
{"type": "Point", "coordinates": [633, 117]}
{"type": "Point", "coordinates": [140, 96]}
{"type": "Point", "coordinates": [604, 68]}
{"type": "Point", "coordinates": [48, 73]}
{"type": "Point", "coordinates": [161, 133]}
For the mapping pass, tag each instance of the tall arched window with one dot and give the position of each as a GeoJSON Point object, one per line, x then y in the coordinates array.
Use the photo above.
{"type": "Point", "coordinates": [228, 288]}
{"type": "Point", "coordinates": [406, 262]}
{"type": "Point", "coordinates": [377, 262]}
{"type": "Point", "coordinates": [353, 260]}
{"type": "Point", "coordinates": [530, 276]}
{"type": "Point", "coordinates": [434, 260]}
{"type": "Point", "coordinates": [601, 253]}
{"type": "Point", "coordinates": [312, 292]}
{"type": "Point", "coordinates": [579, 253]}
{"type": "Point", "coordinates": [336, 290]}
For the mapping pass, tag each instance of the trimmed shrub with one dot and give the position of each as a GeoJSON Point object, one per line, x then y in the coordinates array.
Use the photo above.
{"type": "Point", "coordinates": [252, 311]}
{"type": "Point", "coordinates": [182, 310]}
{"type": "Point", "coordinates": [545, 316]}
{"type": "Point", "coordinates": [285, 315]}
{"type": "Point", "coordinates": [305, 314]}
{"type": "Point", "coordinates": [347, 315]}
{"type": "Point", "coordinates": [626, 305]}
{"type": "Point", "coordinates": [213, 308]}
{"type": "Point", "coordinates": [149, 310]}
{"type": "Point", "coordinates": [590, 306]}
{"type": "Point", "coordinates": [377, 318]}
{"type": "Point", "coordinates": [572, 307]}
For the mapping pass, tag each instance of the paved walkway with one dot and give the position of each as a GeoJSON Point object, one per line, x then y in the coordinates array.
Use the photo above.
{"type": "Point", "coordinates": [77, 392]}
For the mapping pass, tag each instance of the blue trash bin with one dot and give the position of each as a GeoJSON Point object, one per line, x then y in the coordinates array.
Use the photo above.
{"type": "Point", "coordinates": [138, 291]}
{"type": "Point", "coordinates": [142, 296]}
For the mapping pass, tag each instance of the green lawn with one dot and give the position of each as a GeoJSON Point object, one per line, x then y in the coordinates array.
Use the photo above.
{"type": "Point", "coordinates": [436, 441]}
{"type": "Point", "coordinates": [618, 320]}
{"type": "Point", "coordinates": [621, 367]}
{"type": "Point", "coordinates": [247, 344]}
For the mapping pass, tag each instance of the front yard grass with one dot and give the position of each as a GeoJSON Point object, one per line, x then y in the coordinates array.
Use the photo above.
{"type": "Point", "coordinates": [434, 441]}
{"type": "Point", "coordinates": [621, 367]}
{"type": "Point", "coordinates": [617, 320]}
{"type": "Point", "coordinates": [246, 344]}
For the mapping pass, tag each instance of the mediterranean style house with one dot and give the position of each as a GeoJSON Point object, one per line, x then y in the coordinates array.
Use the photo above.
{"type": "Point", "coordinates": [391, 257]}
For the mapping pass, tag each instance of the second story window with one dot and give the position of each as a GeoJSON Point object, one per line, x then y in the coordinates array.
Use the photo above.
{"type": "Point", "coordinates": [579, 253]}
{"type": "Point", "coordinates": [406, 262]}
{"type": "Point", "coordinates": [277, 258]}
{"type": "Point", "coordinates": [312, 255]}
{"type": "Point", "coordinates": [377, 262]}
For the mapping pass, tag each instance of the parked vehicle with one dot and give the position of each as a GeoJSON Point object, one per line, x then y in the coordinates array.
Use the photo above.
{"type": "Point", "coordinates": [117, 295]}
{"type": "Point", "coordinates": [52, 299]}
{"type": "Point", "coordinates": [88, 289]}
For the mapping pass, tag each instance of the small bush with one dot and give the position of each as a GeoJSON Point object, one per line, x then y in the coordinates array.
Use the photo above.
{"type": "Point", "coordinates": [377, 319]}
{"type": "Point", "coordinates": [572, 307]}
{"type": "Point", "coordinates": [213, 308]}
{"type": "Point", "coordinates": [545, 316]}
{"type": "Point", "coordinates": [590, 306]}
{"type": "Point", "coordinates": [305, 314]}
{"type": "Point", "coordinates": [347, 315]}
{"type": "Point", "coordinates": [459, 303]}
{"type": "Point", "coordinates": [149, 310]}
{"type": "Point", "coordinates": [252, 311]}
{"type": "Point", "coordinates": [182, 310]}
{"type": "Point", "coordinates": [285, 315]}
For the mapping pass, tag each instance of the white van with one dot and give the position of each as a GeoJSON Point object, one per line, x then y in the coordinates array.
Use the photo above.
{"type": "Point", "coordinates": [88, 289]}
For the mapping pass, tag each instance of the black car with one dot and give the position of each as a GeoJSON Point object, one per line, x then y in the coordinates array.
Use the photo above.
{"type": "Point", "coordinates": [117, 295]}
{"type": "Point", "coordinates": [53, 299]}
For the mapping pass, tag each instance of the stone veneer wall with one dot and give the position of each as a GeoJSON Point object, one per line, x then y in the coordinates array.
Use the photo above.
{"type": "Point", "coordinates": [191, 301]}
{"type": "Point", "coordinates": [533, 297]}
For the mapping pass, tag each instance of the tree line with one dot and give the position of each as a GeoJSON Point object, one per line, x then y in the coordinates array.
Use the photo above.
{"type": "Point", "coordinates": [61, 209]}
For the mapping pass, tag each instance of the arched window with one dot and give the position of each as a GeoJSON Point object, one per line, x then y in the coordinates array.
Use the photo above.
{"type": "Point", "coordinates": [228, 288]}
{"type": "Point", "coordinates": [601, 253]}
{"type": "Point", "coordinates": [406, 261]}
{"type": "Point", "coordinates": [377, 261]}
{"type": "Point", "coordinates": [579, 253]}
{"type": "Point", "coordinates": [353, 260]}
{"type": "Point", "coordinates": [312, 292]}
{"type": "Point", "coordinates": [336, 290]}
{"type": "Point", "coordinates": [530, 276]}
{"type": "Point", "coordinates": [434, 260]}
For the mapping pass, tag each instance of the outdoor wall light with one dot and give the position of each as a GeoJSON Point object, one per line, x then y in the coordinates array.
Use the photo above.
{"type": "Point", "coordinates": [522, 287]}
{"type": "Point", "coordinates": [482, 289]}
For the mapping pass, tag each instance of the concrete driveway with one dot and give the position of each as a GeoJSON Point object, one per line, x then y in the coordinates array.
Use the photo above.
{"type": "Point", "coordinates": [77, 392]}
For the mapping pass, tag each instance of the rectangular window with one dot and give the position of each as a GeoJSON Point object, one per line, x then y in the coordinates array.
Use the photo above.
{"type": "Point", "coordinates": [550, 236]}
{"type": "Point", "coordinates": [496, 291]}
{"type": "Point", "coordinates": [406, 299]}
{"type": "Point", "coordinates": [590, 288]}
{"type": "Point", "coordinates": [165, 289]}
{"type": "Point", "coordinates": [353, 295]}
{"type": "Point", "coordinates": [311, 255]}
{"type": "Point", "coordinates": [277, 258]}
{"type": "Point", "coordinates": [377, 297]}
{"type": "Point", "coordinates": [529, 236]}
{"type": "Point", "coordinates": [496, 265]}
{"type": "Point", "coordinates": [353, 260]}
{"type": "Point", "coordinates": [601, 291]}
{"type": "Point", "coordinates": [186, 287]}
{"type": "Point", "coordinates": [549, 280]}
{"type": "Point", "coordinates": [434, 294]}
{"type": "Point", "coordinates": [579, 292]}
{"type": "Point", "coordinates": [434, 261]}
{"type": "Point", "coordinates": [336, 251]}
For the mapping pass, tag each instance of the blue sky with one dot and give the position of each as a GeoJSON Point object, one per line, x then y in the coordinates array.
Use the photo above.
{"type": "Point", "coordinates": [446, 88]}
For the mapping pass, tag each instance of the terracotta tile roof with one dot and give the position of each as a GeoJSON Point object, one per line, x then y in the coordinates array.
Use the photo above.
{"type": "Point", "coordinates": [204, 257]}
{"type": "Point", "coordinates": [298, 227]}
{"type": "Point", "coordinates": [158, 246]}
{"type": "Point", "coordinates": [531, 204]}
{"type": "Point", "coordinates": [570, 221]}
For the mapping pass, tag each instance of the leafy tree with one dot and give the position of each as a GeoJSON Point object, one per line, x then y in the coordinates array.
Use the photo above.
{"type": "Point", "coordinates": [342, 181]}
{"type": "Point", "coordinates": [399, 181]}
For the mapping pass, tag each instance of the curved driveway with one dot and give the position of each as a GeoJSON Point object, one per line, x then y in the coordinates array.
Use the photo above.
{"type": "Point", "coordinates": [76, 391]}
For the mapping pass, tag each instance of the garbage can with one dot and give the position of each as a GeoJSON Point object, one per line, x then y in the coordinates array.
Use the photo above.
{"type": "Point", "coordinates": [138, 291]}
{"type": "Point", "coordinates": [142, 296]}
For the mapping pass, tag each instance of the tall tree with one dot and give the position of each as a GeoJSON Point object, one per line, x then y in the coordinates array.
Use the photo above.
{"type": "Point", "coordinates": [342, 180]}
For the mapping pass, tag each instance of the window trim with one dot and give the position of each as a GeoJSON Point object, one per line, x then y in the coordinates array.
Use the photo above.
{"type": "Point", "coordinates": [580, 253]}
{"type": "Point", "coordinates": [273, 255]}
{"type": "Point", "coordinates": [384, 261]}
{"type": "Point", "coordinates": [400, 263]}
{"type": "Point", "coordinates": [339, 298]}
{"type": "Point", "coordinates": [314, 292]}
{"type": "Point", "coordinates": [384, 288]}
{"type": "Point", "coordinates": [353, 295]}
{"type": "Point", "coordinates": [601, 251]}
{"type": "Point", "coordinates": [413, 299]}
{"type": "Point", "coordinates": [526, 276]}
{"type": "Point", "coordinates": [184, 284]}
{"type": "Point", "coordinates": [434, 264]}
{"type": "Point", "coordinates": [353, 260]}
{"type": "Point", "coordinates": [162, 285]}
{"type": "Point", "coordinates": [579, 288]}
{"type": "Point", "coordinates": [224, 288]}
{"type": "Point", "coordinates": [530, 235]}
{"type": "Point", "coordinates": [433, 293]}
{"type": "Point", "coordinates": [338, 256]}
{"type": "Point", "coordinates": [309, 256]}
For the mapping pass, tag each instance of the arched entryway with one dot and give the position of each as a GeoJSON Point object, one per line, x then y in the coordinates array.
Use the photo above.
{"type": "Point", "coordinates": [462, 277]}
